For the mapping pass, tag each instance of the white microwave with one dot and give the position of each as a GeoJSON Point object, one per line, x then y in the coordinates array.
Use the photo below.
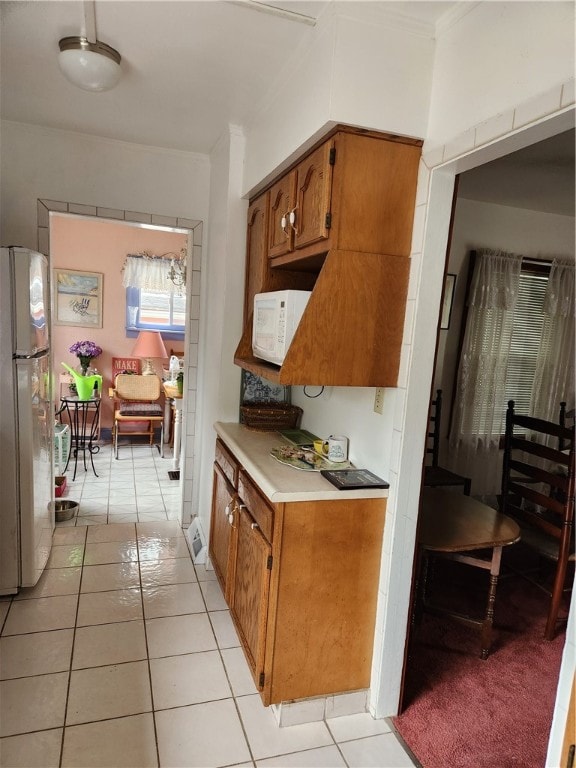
{"type": "Point", "coordinates": [276, 318]}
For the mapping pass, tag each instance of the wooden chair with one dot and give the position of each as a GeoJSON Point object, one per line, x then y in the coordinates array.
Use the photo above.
{"type": "Point", "coordinates": [538, 492]}
{"type": "Point", "coordinates": [436, 476]}
{"type": "Point", "coordinates": [137, 401]}
{"type": "Point", "coordinates": [566, 419]}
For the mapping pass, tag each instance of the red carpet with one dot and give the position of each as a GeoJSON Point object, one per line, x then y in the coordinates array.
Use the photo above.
{"type": "Point", "coordinates": [462, 711]}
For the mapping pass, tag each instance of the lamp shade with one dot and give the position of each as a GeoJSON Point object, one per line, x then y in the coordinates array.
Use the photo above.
{"type": "Point", "coordinates": [90, 66]}
{"type": "Point", "coordinates": [149, 344]}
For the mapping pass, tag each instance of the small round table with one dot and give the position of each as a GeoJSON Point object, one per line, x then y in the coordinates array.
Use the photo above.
{"type": "Point", "coordinates": [458, 527]}
{"type": "Point", "coordinates": [82, 416]}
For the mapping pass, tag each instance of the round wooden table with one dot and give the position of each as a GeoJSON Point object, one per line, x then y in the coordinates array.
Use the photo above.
{"type": "Point", "coordinates": [452, 525]}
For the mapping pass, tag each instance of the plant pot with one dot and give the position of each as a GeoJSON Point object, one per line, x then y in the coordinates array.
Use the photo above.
{"type": "Point", "coordinates": [60, 483]}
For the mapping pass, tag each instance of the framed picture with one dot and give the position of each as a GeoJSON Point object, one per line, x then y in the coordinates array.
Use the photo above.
{"type": "Point", "coordinates": [77, 297]}
{"type": "Point", "coordinates": [447, 301]}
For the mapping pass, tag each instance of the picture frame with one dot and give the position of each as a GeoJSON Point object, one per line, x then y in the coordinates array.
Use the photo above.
{"type": "Point", "coordinates": [77, 297]}
{"type": "Point", "coordinates": [447, 301]}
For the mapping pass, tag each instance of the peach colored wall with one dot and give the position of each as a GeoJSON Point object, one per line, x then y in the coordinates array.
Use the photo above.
{"type": "Point", "coordinates": [101, 246]}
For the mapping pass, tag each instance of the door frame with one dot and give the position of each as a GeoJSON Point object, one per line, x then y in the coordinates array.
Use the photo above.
{"type": "Point", "coordinates": [434, 205]}
{"type": "Point", "coordinates": [191, 405]}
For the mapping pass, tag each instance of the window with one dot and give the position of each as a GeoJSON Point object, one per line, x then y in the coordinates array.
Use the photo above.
{"type": "Point", "coordinates": [523, 327]}
{"type": "Point", "coordinates": [527, 322]}
{"type": "Point", "coordinates": [150, 310]}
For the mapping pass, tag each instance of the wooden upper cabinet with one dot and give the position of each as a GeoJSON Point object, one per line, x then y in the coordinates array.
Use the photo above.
{"type": "Point", "coordinates": [256, 252]}
{"type": "Point", "coordinates": [282, 202]}
{"type": "Point", "coordinates": [340, 224]}
{"type": "Point", "coordinates": [313, 190]}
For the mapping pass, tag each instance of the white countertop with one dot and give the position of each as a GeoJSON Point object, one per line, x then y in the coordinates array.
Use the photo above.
{"type": "Point", "coordinates": [277, 481]}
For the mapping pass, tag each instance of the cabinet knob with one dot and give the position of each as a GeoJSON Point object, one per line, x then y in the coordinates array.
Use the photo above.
{"type": "Point", "coordinates": [254, 526]}
{"type": "Point", "coordinates": [284, 224]}
{"type": "Point", "coordinates": [292, 219]}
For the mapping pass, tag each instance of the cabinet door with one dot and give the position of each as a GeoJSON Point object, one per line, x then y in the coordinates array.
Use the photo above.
{"type": "Point", "coordinates": [282, 201]}
{"type": "Point", "coordinates": [248, 597]}
{"type": "Point", "coordinates": [220, 528]}
{"type": "Point", "coordinates": [256, 252]}
{"type": "Point", "coordinates": [313, 190]}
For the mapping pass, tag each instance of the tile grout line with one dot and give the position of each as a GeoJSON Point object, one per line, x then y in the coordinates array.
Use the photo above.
{"type": "Point", "coordinates": [61, 757]}
{"type": "Point", "coordinates": [147, 651]}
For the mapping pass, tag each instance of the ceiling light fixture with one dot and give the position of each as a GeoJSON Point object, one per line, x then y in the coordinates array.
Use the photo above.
{"type": "Point", "coordinates": [85, 61]}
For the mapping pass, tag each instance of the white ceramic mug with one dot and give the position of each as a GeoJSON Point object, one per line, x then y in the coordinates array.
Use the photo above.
{"type": "Point", "coordinates": [337, 448]}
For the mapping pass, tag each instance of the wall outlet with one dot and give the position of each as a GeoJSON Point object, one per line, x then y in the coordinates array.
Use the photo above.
{"type": "Point", "coordinates": [379, 400]}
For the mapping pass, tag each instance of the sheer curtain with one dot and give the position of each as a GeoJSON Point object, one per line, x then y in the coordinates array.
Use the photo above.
{"type": "Point", "coordinates": [478, 417]}
{"type": "Point", "coordinates": [554, 376]}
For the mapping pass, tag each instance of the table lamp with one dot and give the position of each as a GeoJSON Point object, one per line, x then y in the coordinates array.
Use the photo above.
{"type": "Point", "coordinates": [149, 344]}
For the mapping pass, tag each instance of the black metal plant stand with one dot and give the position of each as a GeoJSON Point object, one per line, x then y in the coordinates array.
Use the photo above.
{"type": "Point", "coordinates": [82, 416]}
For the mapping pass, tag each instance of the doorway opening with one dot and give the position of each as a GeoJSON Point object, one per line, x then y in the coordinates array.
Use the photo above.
{"type": "Point", "coordinates": [483, 218]}
{"type": "Point", "coordinates": [141, 225]}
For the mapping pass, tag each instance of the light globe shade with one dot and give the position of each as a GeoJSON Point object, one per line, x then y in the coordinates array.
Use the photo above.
{"type": "Point", "coordinates": [90, 66]}
{"type": "Point", "coordinates": [149, 344]}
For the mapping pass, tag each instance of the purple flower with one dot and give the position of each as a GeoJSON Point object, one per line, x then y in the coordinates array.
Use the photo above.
{"type": "Point", "coordinates": [85, 349]}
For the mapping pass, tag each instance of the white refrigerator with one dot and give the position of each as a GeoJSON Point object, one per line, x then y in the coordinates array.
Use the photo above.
{"type": "Point", "coordinates": [26, 419]}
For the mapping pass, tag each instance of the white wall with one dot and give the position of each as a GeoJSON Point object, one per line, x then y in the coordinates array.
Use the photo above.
{"type": "Point", "coordinates": [360, 71]}
{"type": "Point", "coordinates": [498, 55]}
{"type": "Point", "coordinates": [221, 312]}
{"type": "Point", "coordinates": [39, 163]}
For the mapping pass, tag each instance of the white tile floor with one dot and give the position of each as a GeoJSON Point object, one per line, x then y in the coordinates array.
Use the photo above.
{"type": "Point", "coordinates": [124, 653]}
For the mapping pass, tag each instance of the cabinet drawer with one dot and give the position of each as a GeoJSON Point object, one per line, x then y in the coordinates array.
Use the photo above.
{"type": "Point", "coordinates": [227, 462]}
{"type": "Point", "coordinates": [256, 504]}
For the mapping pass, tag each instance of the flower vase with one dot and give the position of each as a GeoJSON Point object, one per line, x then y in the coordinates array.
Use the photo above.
{"type": "Point", "coordinates": [84, 364]}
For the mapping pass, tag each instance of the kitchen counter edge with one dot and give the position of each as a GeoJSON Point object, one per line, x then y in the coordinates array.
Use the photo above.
{"type": "Point", "coordinates": [277, 481]}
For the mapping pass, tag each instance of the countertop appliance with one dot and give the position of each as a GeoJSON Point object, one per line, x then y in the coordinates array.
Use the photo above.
{"type": "Point", "coordinates": [26, 419]}
{"type": "Point", "coordinates": [275, 320]}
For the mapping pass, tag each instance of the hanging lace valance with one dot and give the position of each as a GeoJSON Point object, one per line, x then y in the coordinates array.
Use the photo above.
{"type": "Point", "coordinates": [559, 299]}
{"type": "Point", "coordinates": [148, 272]}
{"type": "Point", "coordinates": [496, 280]}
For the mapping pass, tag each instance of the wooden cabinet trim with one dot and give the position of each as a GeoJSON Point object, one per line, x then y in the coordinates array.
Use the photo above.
{"type": "Point", "coordinates": [228, 464]}
{"type": "Point", "coordinates": [340, 128]}
{"type": "Point", "coordinates": [221, 532]}
{"type": "Point", "coordinates": [256, 503]}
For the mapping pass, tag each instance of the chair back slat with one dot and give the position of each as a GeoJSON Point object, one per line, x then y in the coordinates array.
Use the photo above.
{"type": "Point", "coordinates": [533, 473]}
{"type": "Point", "coordinates": [137, 387]}
{"type": "Point", "coordinates": [433, 434]}
{"type": "Point", "coordinates": [538, 491]}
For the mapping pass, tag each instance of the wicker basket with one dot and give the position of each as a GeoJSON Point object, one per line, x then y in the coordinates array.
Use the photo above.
{"type": "Point", "coordinates": [268, 417]}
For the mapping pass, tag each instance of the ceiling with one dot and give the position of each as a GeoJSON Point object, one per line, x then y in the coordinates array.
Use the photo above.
{"type": "Point", "coordinates": [192, 67]}
{"type": "Point", "coordinates": [539, 178]}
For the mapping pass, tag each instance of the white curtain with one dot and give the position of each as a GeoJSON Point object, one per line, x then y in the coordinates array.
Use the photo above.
{"type": "Point", "coordinates": [478, 417]}
{"type": "Point", "coordinates": [554, 377]}
{"type": "Point", "coordinates": [149, 273]}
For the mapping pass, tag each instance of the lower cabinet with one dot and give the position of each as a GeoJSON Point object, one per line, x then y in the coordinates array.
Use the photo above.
{"type": "Point", "coordinates": [223, 505]}
{"type": "Point", "coordinates": [301, 581]}
{"type": "Point", "coordinates": [249, 591]}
